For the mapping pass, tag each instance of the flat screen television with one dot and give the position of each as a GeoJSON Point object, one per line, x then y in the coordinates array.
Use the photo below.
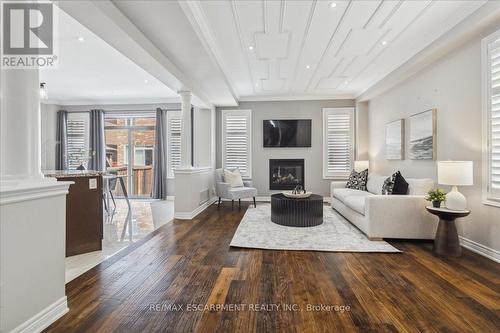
{"type": "Point", "coordinates": [287, 133]}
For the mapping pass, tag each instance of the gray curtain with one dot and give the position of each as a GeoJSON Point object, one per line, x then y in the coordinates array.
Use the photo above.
{"type": "Point", "coordinates": [62, 140]}
{"type": "Point", "coordinates": [160, 156]}
{"type": "Point", "coordinates": [96, 141]}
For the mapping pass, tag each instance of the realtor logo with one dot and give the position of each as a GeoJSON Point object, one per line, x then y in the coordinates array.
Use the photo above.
{"type": "Point", "coordinates": [28, 35]}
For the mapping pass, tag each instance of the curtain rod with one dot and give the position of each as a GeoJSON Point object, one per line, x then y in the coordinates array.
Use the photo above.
{"type": "Point", "coordinates": [117, 111]}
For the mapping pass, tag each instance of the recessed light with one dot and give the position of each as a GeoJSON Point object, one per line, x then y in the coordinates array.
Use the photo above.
{"type": "Point", "coordinates": [384, 42]}
{"type": "Point", "coordinates": [81, 39]}
{"type": "Point", "coordinates": [333, 4]}
{"type": "Point", "coordinates": [146, 81]}
{"type": "Point", "coordinates": [250, 48]}
{"type": "Point", "coordinates": [308, 67]}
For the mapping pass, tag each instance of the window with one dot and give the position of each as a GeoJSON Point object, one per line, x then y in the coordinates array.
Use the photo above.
{"type": "Point", "coordinates": [174, 141]}
{"type": "Point", "coordinates": [338, 142]}
{"type": "Point", "coordinates": [77, 132]}
{"type": "Point", "coordinates": [237, 141]}
{"type": "Point", "coordinates": [491, 111]}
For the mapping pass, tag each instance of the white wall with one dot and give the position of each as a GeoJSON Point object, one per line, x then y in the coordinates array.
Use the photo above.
{"type": "Point", "coordinates": [312, 156]}
{"type": "Point", "coordinates": [453, 86]}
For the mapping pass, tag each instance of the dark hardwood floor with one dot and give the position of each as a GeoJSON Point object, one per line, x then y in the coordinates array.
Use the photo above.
{"type": "Point", "coordinates": [189, 263]}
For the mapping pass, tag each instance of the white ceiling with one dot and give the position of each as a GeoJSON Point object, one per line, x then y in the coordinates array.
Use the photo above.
{"type": "Point", "coordinates": [310, 48]}
{"type": "Point", "coordinates": [92, 72]}
{"type": "Point", "coordinates": [227, 51]}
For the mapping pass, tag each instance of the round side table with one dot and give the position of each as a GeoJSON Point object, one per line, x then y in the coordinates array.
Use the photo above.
{"type": "Point", "coordinates": [446, 242]}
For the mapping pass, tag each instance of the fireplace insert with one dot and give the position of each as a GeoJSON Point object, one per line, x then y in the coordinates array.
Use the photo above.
{"type": "Point", "coordinates": [285, 174]}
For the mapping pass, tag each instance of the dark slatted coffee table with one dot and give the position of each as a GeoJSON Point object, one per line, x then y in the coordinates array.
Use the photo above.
{"type": "Point", "coordinates": [306, 212]}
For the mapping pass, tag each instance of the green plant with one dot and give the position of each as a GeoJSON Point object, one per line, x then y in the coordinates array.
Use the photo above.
{"type": "Point", "coordinates": [436, 194]}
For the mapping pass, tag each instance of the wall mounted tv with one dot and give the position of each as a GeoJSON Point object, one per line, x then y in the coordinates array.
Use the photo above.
{"type": "Point", "coordinates": [287, 133]}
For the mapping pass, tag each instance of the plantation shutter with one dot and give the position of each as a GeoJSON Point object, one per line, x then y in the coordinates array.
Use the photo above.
{"type": "Point", "coordinates": [78, 152]}
{"type": "Point", "coordinates": [494, 120]}
{"type": "Point", "coordinates": [174, 141]}
{"type": "Point", "coordinates": [338, 142]}
{"type": "Point", "coordinates": [237, 141]}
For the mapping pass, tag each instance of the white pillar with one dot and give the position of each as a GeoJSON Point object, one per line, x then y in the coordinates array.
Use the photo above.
{"type": "Point", "coordinates": [20, 124]}
{"type": "Point", "coordinates": [186, 161]}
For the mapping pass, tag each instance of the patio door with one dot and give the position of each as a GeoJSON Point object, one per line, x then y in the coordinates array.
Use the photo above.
{"type": "Point", "coordinates": [130, 150]}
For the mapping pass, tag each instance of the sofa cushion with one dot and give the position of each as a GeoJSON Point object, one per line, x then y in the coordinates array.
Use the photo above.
{"type": "Point", "coordinates": [375, 183]}
{"type": "Point", "coordinates": [357, 180]}
{"type": "Point", "coordinates": [419, 186]}
{"type": "Point", "coordinates": [356, 203]}
{"type": "Point", "coordinates": [400, 184]}
{"type": "Point", "coordinates": [342, 193]}
{"type": "Point", "coordinates": [242, 192]}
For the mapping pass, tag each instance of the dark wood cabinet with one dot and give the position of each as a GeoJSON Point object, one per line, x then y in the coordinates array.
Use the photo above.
{"type": "Point", "coordinates": [84, 216]}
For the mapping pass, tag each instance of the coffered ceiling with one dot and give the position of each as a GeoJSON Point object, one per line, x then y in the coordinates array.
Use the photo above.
{"type": "Point", "coordinates": [317, 48]}
{"type": "Point", "coordinates": [227, 51]}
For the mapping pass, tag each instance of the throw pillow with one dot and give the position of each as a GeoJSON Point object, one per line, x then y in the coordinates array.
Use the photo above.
{"type": "Point", "coordinates": [395, 184]}
{"type": "Point", "coordinates": [388, 186]}
{"type": "Point", "coordinates": [400, 184]}
{"type": "Point", "coordinates": [233, 178]}
{"type": "Point", "coordinates": [357, 180]}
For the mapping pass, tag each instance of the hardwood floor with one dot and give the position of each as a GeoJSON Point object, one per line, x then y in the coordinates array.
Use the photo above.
{"type": "Point", "coordinates": [187, 263]}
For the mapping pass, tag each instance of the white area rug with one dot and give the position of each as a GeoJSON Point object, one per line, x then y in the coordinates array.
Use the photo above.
{"type": "Point", "coordinates": [335, 234]}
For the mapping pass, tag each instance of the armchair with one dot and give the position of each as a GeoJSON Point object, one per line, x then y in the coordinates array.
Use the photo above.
{"type": "Point", "coordinates": [224, 190]}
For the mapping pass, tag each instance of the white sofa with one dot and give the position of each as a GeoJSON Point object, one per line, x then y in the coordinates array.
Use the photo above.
{"type": "Point", "coordinates": [386, 216]}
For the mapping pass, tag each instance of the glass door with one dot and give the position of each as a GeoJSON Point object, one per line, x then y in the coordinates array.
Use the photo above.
{"type": "Point", "coordinates": [130, 151]}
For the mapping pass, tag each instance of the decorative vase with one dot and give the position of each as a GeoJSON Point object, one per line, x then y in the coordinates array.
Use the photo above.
{"type": "Point", "coordinates": [436, 204]}
{"type": "Point", "coordinates": [81, 167]}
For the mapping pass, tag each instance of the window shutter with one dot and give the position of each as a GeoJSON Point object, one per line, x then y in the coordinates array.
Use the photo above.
{"type": "Point", "coordinates": [237, 141]}
{"type": "Point", "coordinates": [77, 141]}
{"type": "Point", "coordinates": [174, 141]}
{"type": "Point", "coordinates": [494, 121]}
{"type": "Point", "coordinates": [338, 142]}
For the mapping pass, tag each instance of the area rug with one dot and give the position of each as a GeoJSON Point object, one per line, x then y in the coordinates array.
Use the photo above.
{"type": "Point", "coordinates": [336, 234]}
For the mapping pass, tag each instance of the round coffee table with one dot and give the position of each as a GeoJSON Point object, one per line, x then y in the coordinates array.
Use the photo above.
{"type": "Point", "coordinates": [446, 242]}
{"type": "Point", "coordinates": [305, 212]}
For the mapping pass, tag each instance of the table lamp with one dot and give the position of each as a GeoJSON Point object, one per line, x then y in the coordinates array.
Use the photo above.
{"type": "Point", "coordinates": [361, 165]}
{"type": "Point", "coordinates": [455, 173]}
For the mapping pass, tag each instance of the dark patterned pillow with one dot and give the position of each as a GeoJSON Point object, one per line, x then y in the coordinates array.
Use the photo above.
{"type": "Point", "coordinates": [395, 184]}
{"type": "Point", "coordinates": [357, 180]}
{"type": "Point", "coordinates": [388, 186]}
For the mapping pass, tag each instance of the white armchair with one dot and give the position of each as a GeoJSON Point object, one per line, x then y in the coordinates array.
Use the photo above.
{"type": "Point", "coordinates": [224, 190]}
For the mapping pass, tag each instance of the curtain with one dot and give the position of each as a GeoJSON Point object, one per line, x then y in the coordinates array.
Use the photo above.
{"type": "Point", "coordinates": [160, 156]}
{"type": "Point", "coordinates": [97, 146]}
{"type": "Point", "coordinates": [62, 140]}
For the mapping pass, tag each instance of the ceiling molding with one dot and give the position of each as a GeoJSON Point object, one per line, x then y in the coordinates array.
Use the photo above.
{"type": "Point", "coordinates": [123, 101]}
{"type": "Point", "coordinates": [294, 97]}
{"type": "Point", "coordinates": [196, 16]}
{"type": "Point", "coordinates": [484, 19]}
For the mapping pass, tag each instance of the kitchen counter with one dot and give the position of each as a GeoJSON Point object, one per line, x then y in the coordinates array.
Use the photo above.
{"type": "Point", "coordinates": [72, 173]}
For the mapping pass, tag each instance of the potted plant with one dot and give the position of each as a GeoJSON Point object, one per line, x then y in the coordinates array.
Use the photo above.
{"type": "Point", "coordinates": [436, 196]}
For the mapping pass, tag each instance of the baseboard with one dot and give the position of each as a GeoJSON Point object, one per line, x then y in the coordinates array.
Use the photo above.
{"type": "Point", "coordinates": [191, 215]}
{"type": "Point", "coordinates": [44, 318]}
{"type": "Point", "coordinates": [480, 249]}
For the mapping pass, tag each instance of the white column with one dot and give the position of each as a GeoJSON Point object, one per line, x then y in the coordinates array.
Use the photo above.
{"type": "Point", "coordinates": [20, 124]}
{"type": "Point", "coordinates": [186, 129]}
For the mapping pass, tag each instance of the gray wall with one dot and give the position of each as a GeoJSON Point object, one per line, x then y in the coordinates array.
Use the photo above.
{"type": "Point", "coordinates": [453, 86]}
{"type": "Point", "coordinates": [48, 113]}
{"type": "Point", "coordinates": [313, 156]}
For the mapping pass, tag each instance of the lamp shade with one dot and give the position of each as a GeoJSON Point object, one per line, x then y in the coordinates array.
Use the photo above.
{"type": "Point", "coordinates": [455, 173]}
{"type": "Point", "coordinates": [361, 165]}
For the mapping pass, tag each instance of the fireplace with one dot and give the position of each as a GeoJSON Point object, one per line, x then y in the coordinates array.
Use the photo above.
{"type": "Point", "coordinates": [285, 174]}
